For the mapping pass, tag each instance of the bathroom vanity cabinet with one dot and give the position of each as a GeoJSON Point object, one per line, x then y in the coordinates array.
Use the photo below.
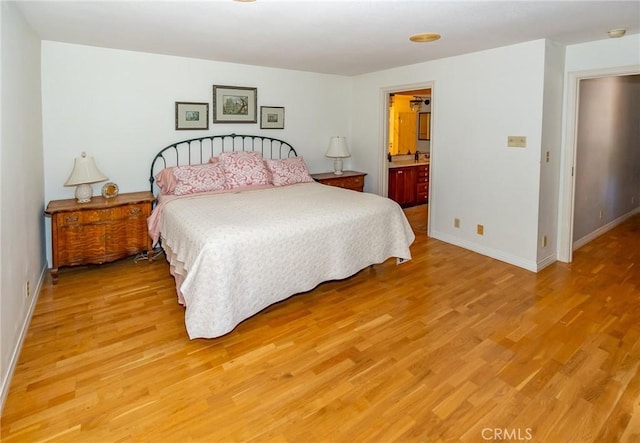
{"type": "Point", "coordinates": [409, 184]}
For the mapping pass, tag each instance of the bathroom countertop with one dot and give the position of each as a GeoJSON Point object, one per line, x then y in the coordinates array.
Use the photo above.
{"type": "Point", "coordinates": [403, 163]}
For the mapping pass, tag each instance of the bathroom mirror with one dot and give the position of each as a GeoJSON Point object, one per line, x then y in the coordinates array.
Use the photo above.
{"type": "Point", "coordinates": [424, 126]}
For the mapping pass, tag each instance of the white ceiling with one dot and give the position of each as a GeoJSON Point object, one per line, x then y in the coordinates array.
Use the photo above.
{"type": "Point", "coordinates": [336, 37]}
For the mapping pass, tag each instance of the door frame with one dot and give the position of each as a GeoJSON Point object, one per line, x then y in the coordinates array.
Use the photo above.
{"type": "Point", "coordinates": [385, 93]}
{"type": "Point", "coordinates": [567, 168]}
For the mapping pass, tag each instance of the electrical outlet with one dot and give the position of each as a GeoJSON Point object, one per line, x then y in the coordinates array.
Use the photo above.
{"type": "Point", "coordinates": [27, 290]}
{"type": "Point", "coordinates": [456, 222]}
{"type": "Point", "coordinates": [544, 241]}
{"type": "Point", "coordinates": [546, 157]}
{"type": "Point", "coordinates": [517, 141]}
{"type": "Point", "coordinates": [480, 230]}
{"type": "Point", "coordinates": [601, 214]}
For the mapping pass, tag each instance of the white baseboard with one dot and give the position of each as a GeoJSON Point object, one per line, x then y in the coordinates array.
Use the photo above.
{"type": "Point", "coordinates": [601, 230]}
{"type": "Point", "coordinates": [489, 252]}
{"type": "Point", "coordinates": [15, 354]}
{"type": "Point", "coordinates": [549, 260]}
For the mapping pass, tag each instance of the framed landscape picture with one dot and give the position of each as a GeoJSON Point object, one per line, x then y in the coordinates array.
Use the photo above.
{"type": "Point", "coordinates": [191, 115]}
{"type": "Point", "coordinates": [235, 104]}
{"type": "Point", "coordinates": [271, 117]}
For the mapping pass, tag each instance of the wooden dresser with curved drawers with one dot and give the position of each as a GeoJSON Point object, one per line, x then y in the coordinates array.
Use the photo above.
{"type": "Point", "coordinates": [349, 179]}
{"type": "Point", "coordinates": [100, 231]}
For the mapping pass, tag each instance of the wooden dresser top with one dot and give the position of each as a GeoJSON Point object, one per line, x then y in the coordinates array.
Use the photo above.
{"type": "Point", "coordinates": [99, 202]}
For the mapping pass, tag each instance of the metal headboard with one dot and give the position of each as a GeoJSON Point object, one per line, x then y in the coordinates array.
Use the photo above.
{"type": "Point", "coordinates": [199, 150]}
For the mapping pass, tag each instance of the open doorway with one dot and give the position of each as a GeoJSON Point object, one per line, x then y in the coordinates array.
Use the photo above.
{"type": "Point", "coordinates": [601, 161]}
{"type": "Point", "coordinates": [408, 152]}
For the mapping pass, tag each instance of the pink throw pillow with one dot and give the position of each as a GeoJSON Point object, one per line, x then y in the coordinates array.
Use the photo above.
{"type": "Point", "coordinates": [243, 169]}
{"type": "Point", "coordinates": [288, 171]}
{"type": "Point", "coordinates": [199, 178]}
{"type": "Point", "coordinates": [166, 181]}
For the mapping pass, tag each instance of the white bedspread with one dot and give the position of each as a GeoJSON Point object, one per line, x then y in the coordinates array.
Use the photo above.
{"type": "Point", "coordinates": [241, 252]}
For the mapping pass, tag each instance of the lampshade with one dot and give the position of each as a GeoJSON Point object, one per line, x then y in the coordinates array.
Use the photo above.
{"type": "Point", "coordinates": [337, 150]}
{"type": "Point", "coordinates": [84, 172]}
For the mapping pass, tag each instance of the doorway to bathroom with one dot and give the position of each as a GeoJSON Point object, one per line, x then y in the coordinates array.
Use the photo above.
{"type": "Point", "coordinates": [408, 143]}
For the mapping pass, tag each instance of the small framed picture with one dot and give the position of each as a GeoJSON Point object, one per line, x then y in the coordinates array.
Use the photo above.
{"type": "Point", "coordinates": [271, 117]}
{"type": "Point", "coordinates": [235, 104]}
{"type": "Point", "coordinates": [192, 115]}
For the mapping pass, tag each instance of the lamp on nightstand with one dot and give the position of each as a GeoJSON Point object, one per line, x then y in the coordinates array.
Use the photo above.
{"type": "Point", "coordinates": [337, 150]}
{"type": "Point", "coordinates": [83, 174]}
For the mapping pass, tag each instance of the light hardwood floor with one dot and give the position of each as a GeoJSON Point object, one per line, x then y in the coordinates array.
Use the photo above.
{"type": "Point", "coordinates": [451, 346]}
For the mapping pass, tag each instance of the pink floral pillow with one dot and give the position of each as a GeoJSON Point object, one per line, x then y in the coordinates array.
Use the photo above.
{"type": "Point", "coordinates": [199, 178]}
{"type": "Point", "coordinates": [288, 171]}
{"type": "Point", "coordinates": [243, 169]}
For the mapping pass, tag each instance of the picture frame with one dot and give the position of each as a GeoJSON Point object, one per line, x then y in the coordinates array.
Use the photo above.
{"type": "Point", "coordinates": [192, 116]}
{"type": "Point", "coordinates": [235, 104]}
{"type": "Point", "coordinates": [271, 117]}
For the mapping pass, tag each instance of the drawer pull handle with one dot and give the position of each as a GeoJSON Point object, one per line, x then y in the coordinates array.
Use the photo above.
{"type": "Point", "coordinates": [134, 211]}
{"type": "Point", "coordinates": [72, 219]}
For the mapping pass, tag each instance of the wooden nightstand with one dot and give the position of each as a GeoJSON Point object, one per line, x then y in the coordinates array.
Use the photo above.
{"type": "Point", "coordinates": [100, 231]}
{"type": "Point", "coordinates": [349, 179]}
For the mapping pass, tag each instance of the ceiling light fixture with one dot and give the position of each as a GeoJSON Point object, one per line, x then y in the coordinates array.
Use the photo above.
{"type": "Point", "coordinates": [617, 33]}
{"type": "Point", "coordinates": [424, 37]}
{"type": "Point", "coordinates": [417, 103]}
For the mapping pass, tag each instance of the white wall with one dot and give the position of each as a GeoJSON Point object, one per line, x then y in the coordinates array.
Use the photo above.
{"type": "Point", "coordinates": [601, 54]}
{"type": "Point", "coordinates": [478, 100]}
{"type": "Point", "coordinates": [22, 256]}
{"type": "Point", "coordinates": [550, 155]}
{"type": "Point", "coordinates": [118, 106]}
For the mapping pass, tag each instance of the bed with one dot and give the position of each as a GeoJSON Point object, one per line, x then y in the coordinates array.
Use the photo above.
{"type": "Point", "coordinates": [236, 248]}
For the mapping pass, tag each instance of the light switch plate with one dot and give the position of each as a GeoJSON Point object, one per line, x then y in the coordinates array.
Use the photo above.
{"type": "Point", "coordinates": [517, 141]}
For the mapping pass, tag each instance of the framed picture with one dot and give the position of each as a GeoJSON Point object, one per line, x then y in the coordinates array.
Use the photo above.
{"type": "Point", "coordinates": [235, 104]}
{"type": "Point", "coordinates": [192, 115]}
{"type": "Point", "coordinates": [271, 117]}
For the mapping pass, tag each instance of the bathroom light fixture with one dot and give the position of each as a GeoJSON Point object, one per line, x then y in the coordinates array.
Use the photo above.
{"type": "Point", "coordinates": [337, 150]}
{"type": "Point", "coordinates": [424, 37]}
{"type": "Point", "coordinates": [417, 103]}
{"type": "Point", "coordinates": [617, 33]}
{"type": "Point", "coordinates": [83, 174]}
